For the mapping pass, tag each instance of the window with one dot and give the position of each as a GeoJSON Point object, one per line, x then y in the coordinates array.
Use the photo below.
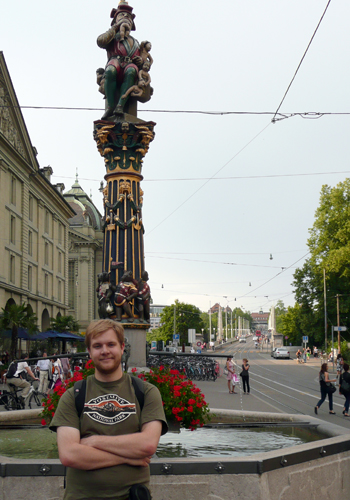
{"type": "Point", "coordinates": [31, 208]}
{"type": "Point", "coordinates": [30, 278]}
{"type": "Point", "coordinates": [30, 243]}
{"type": "Point", "coordinates": [13, 230]}
{"type": "Point", "coordinates": [12, 268]}
{"type": "Point", "coordinates": [47, 222]}
{"type": "Point", "coordinates": [59, 233]}
{"type": "Point", "coordinates": [13, 191]}
{"type": "Point", "coordinates": [46, 254]}
{"type": "Point", "coordinates": [46, 291]}
{"type": "Point", "coordinates": [59, 262]}
{"type": "Point", "coordinates": [71, 284]}
{"type": "Point", "coordinates": [59, 290]}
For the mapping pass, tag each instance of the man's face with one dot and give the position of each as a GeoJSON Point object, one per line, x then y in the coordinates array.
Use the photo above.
{"type": "Point", "coordinates": [106, 352]}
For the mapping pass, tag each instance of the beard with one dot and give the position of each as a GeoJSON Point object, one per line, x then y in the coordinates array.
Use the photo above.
{"type": "Point", "coordinates": [109, 365]}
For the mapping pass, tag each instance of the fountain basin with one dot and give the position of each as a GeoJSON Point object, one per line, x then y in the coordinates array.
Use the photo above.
{"type": "Point", "coordinates": [318, 469]}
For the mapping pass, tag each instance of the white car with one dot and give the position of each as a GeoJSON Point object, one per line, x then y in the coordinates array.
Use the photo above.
{"type": "Point", "coordinates": [242, 339]}
{"type": "Point", "coordinates": [281, 352]}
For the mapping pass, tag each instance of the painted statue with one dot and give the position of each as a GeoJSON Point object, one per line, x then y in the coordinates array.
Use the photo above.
{"type": "Point", "coordinates": [124, 61]}
{"type": "Point", "coordinates": [105, 292]}
{"type": "Point", "coordinates": [126, 291]}
{"type": "Point", "coordinates": [143, 298]}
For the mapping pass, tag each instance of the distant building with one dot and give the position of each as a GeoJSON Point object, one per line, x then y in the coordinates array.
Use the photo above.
{"type": "Point", "coordinates": [155, 312]}
{"type": "Point", "coordinates": [85, 255]}
{"type": "Point", "coordinates": [260, 321]}
{"type": "Point", "coordinates": [216, 307]}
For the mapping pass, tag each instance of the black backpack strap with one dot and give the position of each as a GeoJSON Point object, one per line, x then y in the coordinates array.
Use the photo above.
{"type": "Point", "coordinates": [139, 390]}
{"type": "Point", "coordinates": [79, 395]}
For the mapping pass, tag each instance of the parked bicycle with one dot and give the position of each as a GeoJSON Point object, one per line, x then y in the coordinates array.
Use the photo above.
{"type": "Point", "coordinates": [11, 400]}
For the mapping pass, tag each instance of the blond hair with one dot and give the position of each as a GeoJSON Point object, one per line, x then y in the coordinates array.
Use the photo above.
{"type": "Point", "coordinates": [100, 326]}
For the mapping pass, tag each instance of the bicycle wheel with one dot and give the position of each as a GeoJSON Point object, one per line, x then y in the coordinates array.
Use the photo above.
{"type": "Point", "coordinates": [36, 399]}
{"type": "Point", "coordinates": [9, 401]}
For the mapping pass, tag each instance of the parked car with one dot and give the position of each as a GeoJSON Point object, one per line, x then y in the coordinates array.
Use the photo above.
{"type": "Point", "coordinates": [242, 339]}
{"type": "Point", "coordinates": [273, 352]}
{"type": "Point", "coordinates": [281, 352]}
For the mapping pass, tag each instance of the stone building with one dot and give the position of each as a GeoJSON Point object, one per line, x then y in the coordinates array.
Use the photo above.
{"type": "Point", "coordinates": [85, 255]}
{"type": "Point", "coordinates": [51, 241]}
{"type": "Point", "coordinates": [34, 218]}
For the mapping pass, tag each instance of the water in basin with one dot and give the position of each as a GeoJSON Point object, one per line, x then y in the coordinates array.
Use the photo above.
{"type": "Point", "coordinates": [40, 442]}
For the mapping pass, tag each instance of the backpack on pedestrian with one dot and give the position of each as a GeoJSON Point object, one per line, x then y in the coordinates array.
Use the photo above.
{"type": "Point", "coordinates": [11, 370]}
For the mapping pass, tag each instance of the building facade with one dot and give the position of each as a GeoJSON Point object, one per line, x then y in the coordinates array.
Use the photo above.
{"type": "Point", "coordinates": [34, 218]}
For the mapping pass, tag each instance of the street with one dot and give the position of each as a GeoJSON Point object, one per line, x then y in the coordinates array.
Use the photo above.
{"type": "Point", "coordinates": [276, 385]}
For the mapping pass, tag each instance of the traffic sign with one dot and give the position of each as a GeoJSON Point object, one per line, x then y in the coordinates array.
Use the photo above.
{"type": "Point", "coordinates": [176, 336]}
{"type": "Point", "coordinates": [305, 339]}
{"type": "Point", "coordinates": [199, 343]}
{"type": "Point", "coordinates": [339, 328]}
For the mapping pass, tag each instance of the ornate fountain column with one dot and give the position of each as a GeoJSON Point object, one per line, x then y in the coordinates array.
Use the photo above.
{"type": "Point", "coordinates": [123, 141]}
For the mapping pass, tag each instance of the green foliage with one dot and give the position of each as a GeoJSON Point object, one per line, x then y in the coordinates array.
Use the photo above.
{"type": "Point", "coordinates": [329, 245]}
{"type": "Point", "coordinates": [186, 316]}
{"type": "Point", "coordinates": [65, 324]}
{"type": "Point", "coordinates": [18, 316]}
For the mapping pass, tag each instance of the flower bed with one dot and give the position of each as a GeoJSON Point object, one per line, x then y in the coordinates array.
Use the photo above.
{"type": "Point", "coordinates": [183, 402]}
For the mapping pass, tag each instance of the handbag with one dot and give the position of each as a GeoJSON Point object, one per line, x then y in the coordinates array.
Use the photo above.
{"type": "Point", "coordinates": [331, 389]}
{"type": "Point", "coordinates": [240, 374]}
{"type": "Point", "coordinates": [345, 386]}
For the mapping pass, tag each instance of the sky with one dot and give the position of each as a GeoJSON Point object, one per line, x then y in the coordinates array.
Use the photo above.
{"type": "Point", "coordinates": [229, 198]}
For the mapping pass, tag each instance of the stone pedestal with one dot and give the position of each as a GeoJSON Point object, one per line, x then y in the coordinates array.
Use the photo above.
{"type": "Point", "coordinates": [137, 340]}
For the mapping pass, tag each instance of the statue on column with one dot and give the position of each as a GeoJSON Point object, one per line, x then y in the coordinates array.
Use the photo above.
{"type": "Point", "coordinates": [126, 291]}
{"type": "Point", "coordinates": [143, 298]}
{"type": "Point", "coordinates": [105, 293]}
{"type": "Point", "coordinates": [128, 63]}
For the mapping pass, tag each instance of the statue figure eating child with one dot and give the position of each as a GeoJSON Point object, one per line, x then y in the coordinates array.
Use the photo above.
{"type": "Point", "coordinates": [124, 59]}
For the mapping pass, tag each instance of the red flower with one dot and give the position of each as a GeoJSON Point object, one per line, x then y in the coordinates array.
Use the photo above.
{"type": "Point", "coordinates": [190, 409]}
{"type": "Point", "coordinates": [177, 394]}
{"type": "Point", "coordinates": [161, 368]}
{"type": "Point", "coordinates": [133, 370]}
{"type": "Point", "coordinates": [191, 402]}
{"type": "Point", "coordinates": [43, 422]}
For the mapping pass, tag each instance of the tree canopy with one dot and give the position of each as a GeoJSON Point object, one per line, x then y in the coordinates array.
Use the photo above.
{"type": "Point", "coordinates": [18, 316]}
{"type": "Point", "coordinates": [186, 316]}
{"type": "Point", "coordinates": [329, 245]}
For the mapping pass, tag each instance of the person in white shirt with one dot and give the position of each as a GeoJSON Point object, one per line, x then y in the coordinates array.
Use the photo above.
{"type": "Point", "coordinates": [17, 379]}
{"type": "Point", "coordinates": [45, 367]}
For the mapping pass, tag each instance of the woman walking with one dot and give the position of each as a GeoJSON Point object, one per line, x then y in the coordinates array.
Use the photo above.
{"type": "Point", "coordinates": [344, 388]}
{"type": "Point", "coordinates": [230, 372]}
{"type": "Point", "coordinates": [245, 376]}
{"type": "Point", "coordinates": [325, 387]}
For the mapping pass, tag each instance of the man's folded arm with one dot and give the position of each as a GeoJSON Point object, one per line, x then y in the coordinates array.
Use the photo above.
{"type": "Point", "coordinates": [135, 446]}
{"type": "Point", "coordinates": [74, 454]}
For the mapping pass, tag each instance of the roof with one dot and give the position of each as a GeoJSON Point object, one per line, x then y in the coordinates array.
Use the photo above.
{"type": "Point", "coordinates": [83, 206]}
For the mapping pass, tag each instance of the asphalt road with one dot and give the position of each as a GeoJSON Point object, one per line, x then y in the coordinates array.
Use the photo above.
{"type": "Point", "coordinates": [277, 385]}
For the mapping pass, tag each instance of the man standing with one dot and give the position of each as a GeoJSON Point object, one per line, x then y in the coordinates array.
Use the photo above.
{"type": "Point", "coordinates": [107, 450]}
{"type": "Point", "coordinates": [44, 366]}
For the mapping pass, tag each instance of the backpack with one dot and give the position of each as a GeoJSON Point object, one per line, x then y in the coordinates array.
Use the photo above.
{"type": "Point", "coordinates": [11, 370]}
{"type": "Point", "coordinates": [80, 392]}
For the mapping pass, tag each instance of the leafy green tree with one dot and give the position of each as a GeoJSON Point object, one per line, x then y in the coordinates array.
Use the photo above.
{"type": "Point", "coordinates": [15, 317]}
{"type": "Point", "coordinates": [186, 316]}
{"type": "Point", "coordinates": [329, 245]}
{"type": "Point", "coordinates": [65, 324]}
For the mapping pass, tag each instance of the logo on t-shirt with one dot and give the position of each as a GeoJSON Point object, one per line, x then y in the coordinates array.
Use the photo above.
{"type": "Point", "coordinates": [109, 409]}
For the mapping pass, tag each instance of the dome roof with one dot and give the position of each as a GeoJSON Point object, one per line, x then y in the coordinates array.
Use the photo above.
{"type": "Point", "coordinates": [82, 205]}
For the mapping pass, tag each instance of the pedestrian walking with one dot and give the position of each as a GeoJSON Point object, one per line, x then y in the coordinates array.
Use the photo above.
{"type": "Point", "coordinates": [230, 371]}
{"type": "Point", "coordinates": [45, 367]}
{"type": "Point", "coordinates": [344, 388]}
{"type": "Point", "coordinates": [245, 376]}
{"type": "Point", "coordinates": [326, 388]}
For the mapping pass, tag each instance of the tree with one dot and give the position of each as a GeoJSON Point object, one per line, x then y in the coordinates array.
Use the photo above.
{"type": "Point", "coordinates": [280, 311]}
{"type": "Point", "coordinates": [329, 245]}
{"type": "Point", "coordinates": [186, 316]}
{"type": "Point", "coordinates": [64, 324]}
{"type": "Point", "coordinates": [15, 317]}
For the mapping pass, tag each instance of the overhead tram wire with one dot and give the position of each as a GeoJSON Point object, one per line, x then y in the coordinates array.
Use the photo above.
{"type": "Point", "coordinates": [274, 119]}
{"type": "Point", "coordinates": [206, 182]}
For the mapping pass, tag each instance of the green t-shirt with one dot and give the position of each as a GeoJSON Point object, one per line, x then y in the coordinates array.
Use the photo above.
{"type": "Point", "coordinates": [111, 408]}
